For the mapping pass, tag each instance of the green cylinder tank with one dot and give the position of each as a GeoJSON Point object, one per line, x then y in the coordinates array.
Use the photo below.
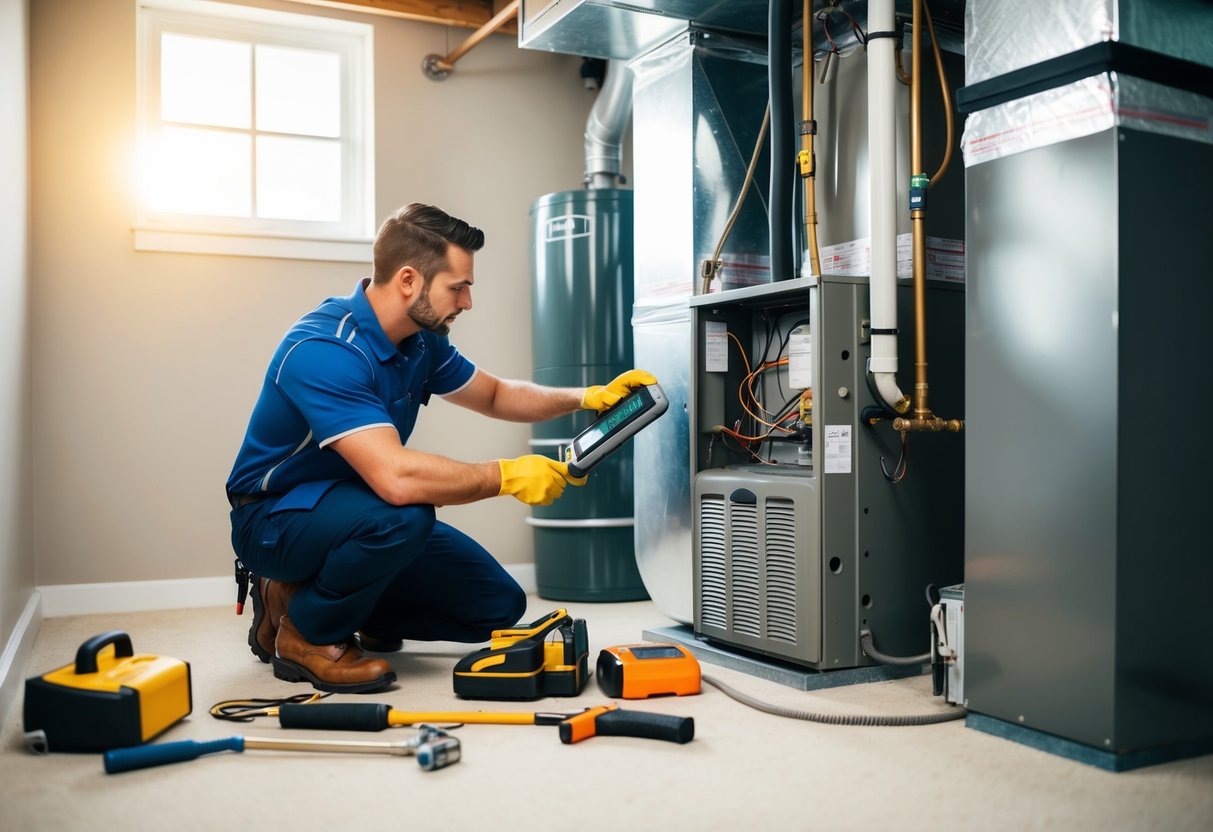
{"type": "Point", "coordinates": [581, 335]}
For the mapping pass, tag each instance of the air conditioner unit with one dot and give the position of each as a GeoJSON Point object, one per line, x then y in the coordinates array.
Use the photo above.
{"type": "Point", "coordinates": [757, 560]}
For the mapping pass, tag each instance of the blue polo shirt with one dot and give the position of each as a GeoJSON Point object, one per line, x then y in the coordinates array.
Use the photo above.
{"type": "Point", "coordinates": [336, 373]}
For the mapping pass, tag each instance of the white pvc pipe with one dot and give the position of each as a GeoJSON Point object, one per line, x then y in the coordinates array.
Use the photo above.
{"type": "Point", "coordinates": [882, 170]}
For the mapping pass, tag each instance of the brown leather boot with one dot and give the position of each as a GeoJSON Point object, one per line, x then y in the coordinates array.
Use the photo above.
{"type": "Point", "coordinates": [340, 668]}
{"type": "Point", "coordinates": [270, 602]}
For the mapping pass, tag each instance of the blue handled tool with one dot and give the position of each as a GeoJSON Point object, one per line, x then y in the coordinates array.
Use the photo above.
{"type": "Point", "coordinates": [433, 748]}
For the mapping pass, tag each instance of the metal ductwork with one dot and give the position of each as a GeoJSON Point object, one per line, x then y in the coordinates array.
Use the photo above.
{"type": "Point", "coordinates": [605, 127]}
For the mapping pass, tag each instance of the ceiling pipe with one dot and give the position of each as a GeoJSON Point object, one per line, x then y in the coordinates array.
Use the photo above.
{"type": "Point", "coordinates": [605, 127]}
{"type": "Point", "coordinates": [438, 67]}
{"type": "Point", "coordinates": [783, 152]}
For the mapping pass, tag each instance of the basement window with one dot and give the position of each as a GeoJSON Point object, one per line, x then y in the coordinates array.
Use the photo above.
{"type": "Point", "coordinates": [255, 132]}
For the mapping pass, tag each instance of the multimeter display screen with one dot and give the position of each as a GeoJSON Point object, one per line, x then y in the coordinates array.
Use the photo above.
{"type": "Point", "coordinates": [662, 652]}
{"type": "Point", "coordinates": [618, 417]}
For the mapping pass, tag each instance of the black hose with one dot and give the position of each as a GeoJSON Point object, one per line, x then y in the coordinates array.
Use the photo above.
{"type": "Point", "coordinates": [837, 719]}
{"type": "Point", "coordinates": [779, 81]}
{"type": "Point", "coordinates": [869, 647]}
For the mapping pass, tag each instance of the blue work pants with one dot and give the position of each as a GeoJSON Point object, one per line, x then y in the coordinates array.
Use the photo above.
{"type": "Point", "coordinates": [391, 571]}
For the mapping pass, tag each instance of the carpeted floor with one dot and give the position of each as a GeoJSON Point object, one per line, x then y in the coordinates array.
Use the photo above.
{"type": "Point", "coordinates": [743, 769]}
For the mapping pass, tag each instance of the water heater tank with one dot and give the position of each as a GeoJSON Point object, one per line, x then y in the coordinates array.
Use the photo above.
{"type": "Point", "coordinates": [582, 335]}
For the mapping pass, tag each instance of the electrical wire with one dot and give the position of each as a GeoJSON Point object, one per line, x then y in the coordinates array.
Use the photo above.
{"type": "Point", "coordinates": [903, 462]}
{"type": "Point", "coordinates": [793, 410]}
{"type": "Point", "coordinates": [860, 34]}
{"type": "Point", "coordinates": [836, 719]}
{"type": "Point", "coordinates": [709, 267]}
{"type": "Point", "coordinates": [246, 710]}
{"type": "Point", "coordinates": [947, 99]}
{"type": "Point", "coordinates": [747, 384]}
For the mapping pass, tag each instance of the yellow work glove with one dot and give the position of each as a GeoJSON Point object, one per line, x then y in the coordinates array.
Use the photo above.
{"type": "Point", "coordinates": [602, 397]}
{"type": "Point", "coordinates": [534, 479]}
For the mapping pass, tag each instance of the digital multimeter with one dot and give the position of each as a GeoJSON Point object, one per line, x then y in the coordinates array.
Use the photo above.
{"type": "Point", "coordinates": [638, 671]}
{"type": "Point", "coordinates": [614, 427]}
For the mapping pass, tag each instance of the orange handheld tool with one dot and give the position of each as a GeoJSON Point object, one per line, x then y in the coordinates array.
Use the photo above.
{"type": "Point", "coordinates": [610, 721]}
{"type": "Point", "coordinates": [638, 671]}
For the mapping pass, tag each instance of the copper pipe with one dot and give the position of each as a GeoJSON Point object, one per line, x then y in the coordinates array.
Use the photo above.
{"type": "Point", "coordinates": [947, 98]}
{"type": "Point", "coordinates": [933, 424]}
{"type": "Point", "coordinates": [438, 67]}
{"type": "Point", "coordinates": [808, 161]}
{"type": "Point", "coordinates": [923, 419]}
{"type": "Point", "coordinates": [901, 73]}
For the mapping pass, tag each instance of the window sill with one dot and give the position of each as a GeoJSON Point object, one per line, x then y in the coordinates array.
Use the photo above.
{"type": "Point", "coordinates": [286, 248]}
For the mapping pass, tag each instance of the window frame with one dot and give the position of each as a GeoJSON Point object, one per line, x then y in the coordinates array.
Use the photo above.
{"type": "Point", "coordinates": [347, 239]}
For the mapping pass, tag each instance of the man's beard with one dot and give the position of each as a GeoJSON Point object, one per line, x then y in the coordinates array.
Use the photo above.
{"type": "Point", "coordinates": [424, 315]}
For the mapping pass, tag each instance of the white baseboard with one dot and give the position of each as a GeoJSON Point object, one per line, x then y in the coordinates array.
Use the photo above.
{"type": "Point", "coordinates": [139, 596]}
{"type": "Point", "coordinates": [17, 650]}
{"type": "Point", "coordinates": [64, 600]}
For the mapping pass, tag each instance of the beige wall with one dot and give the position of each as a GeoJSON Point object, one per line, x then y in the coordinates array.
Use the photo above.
{"type": "Point", "coordinates": [146, 365]}
{"type": "Point", "coordinates": [16, 552]}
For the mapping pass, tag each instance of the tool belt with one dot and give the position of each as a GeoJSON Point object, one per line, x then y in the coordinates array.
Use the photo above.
{"type": "Point", "coordinates": [241, 500]}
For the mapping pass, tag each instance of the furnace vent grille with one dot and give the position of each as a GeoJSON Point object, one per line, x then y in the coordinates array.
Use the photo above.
{"type": "Point", "coordinates": [781, 569]}
{"type": "Point", "coordinates": [712, 575]}
{"type": "Point", "coordinates": [747, 603]}
{"type": "Point", "coordinates": [748, 569]}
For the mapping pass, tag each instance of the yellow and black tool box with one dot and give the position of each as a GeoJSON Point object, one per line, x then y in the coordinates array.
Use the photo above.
{"type": "Point", "coordinates": [109, 698]}
{"type": "Point", "coordinates": [547, 658]}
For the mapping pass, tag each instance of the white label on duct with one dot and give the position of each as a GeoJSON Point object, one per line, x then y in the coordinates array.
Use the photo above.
{"type": "Point", "coordinates": [800, 358]}
{"type": "Point", "coordinates": [838, 449]}
{"type": "Point", "coordinates": [716, 347]}
{"type": "Point", "coordinates": [568, 227]}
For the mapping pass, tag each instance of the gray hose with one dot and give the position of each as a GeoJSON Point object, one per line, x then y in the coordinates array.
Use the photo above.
{"type": "Point", "coordinates": [836, 719]}
{"type": "Point", "coordinates": [869, 647]}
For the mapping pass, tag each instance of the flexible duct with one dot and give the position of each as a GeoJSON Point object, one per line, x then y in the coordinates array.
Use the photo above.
{"type": "Point", "coordinates": [837, 719]}
{"type": "Point", "coordinates": [882, 167]}
{"type": "Point", "coordinates": [779, 80]}
{"type": "Point", "coordinates": [605, 127]}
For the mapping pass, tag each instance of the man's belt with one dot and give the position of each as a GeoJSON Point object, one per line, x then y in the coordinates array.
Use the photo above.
{"type": "Point", "coordinates": [241, 500]}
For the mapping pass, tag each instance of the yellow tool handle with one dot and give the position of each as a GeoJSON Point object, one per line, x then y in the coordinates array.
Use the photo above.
{"type": "Point", "coordinates": [461, 717]}
{"type": "Point", "coordinates": [372, 716]}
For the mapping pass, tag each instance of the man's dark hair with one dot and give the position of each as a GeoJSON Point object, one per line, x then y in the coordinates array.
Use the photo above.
{"type": "Point", "coordinates": [417, 235]}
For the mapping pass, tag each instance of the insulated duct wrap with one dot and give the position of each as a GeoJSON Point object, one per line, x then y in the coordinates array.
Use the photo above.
{"type": "Point", "coordinates": [1001, 37]}
{"type": "Point", "coordinates": [1084, 108]}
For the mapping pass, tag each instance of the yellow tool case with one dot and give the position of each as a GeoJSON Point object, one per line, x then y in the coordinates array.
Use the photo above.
{"type": "Point", "coordinates": [549, 657]}
{"type": "Point", "coordinates": [109, 698]}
